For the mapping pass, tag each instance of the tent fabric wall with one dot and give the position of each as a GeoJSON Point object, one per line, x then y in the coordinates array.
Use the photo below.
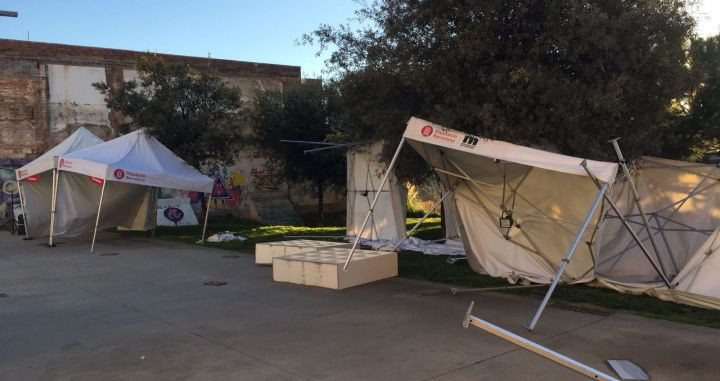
{"type": "Point", "coordinates": [682, 201]}
{"type": "Point", "coordinates": [365, 170]}
{"type": "Point", "coordinates": [548, 194]}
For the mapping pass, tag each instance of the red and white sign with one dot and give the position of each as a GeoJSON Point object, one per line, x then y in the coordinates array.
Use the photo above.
{"type": "Point", "coordinates": [96, 180]}
{"type": "Point", "coordinates": [33, 178]}
{"type": "Point", "coordinates": [426, 131]}
{"type": "Point", "coordinates": [119, 174]}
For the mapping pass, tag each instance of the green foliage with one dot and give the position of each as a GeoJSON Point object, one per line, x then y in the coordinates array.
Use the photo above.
{"type": "Point", "coordinates": [299, 112]}
{"type": "Point", "coordinates": [191, 111]}
{"type": "Point", "coordinates": [567, 74]}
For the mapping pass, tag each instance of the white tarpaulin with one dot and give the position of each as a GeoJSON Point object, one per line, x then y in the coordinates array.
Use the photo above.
{"type": "Point", "coordinates": [543, 196]}
{"type": "Point", "coordinates": [118, 177]}
{"type": "Point", "coordinates": [365, 170]}
{"type": "Point", "coordinates": [36, 180]}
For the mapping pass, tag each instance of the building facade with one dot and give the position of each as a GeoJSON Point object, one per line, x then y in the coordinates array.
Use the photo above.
{"type": "Point", "coordinates": [46, 93]}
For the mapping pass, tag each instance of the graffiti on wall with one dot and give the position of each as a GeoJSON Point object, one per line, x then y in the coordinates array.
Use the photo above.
{"type": "Point", "coordinates": [230, 188]}
{"type": "Point", "coordinates": [265, 179]}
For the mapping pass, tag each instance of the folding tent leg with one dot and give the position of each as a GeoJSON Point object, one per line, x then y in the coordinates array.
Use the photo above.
{"type": "Point", "coordinates": [569, 255]}
{"type": "Point", "coordinates": [207, 213]}
{"type": "Point", "coordinates": [22, 209]}
{"type": "Point", "coordinates": [53, 203]}
{"type": "Point", "coordinates": [374, 201]}
{"type": "Point", "coordinates": [636, 198]}
{"type": "Point", "coordinates": [435, 205]}
{"type": "Point", "coordinates": [97, 219]}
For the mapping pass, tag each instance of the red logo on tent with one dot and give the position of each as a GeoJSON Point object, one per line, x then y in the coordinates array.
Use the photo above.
{"type": "Point", "coordinates": [426, 131]}
{"type": "Point", "coordinates": [119, 174]}
{"type": "Point", "coordinates": [62, 162]}
{"type": "Point", "coordinates": [96, 180]}
{"type": "Point", "coordinates": [33, 179]}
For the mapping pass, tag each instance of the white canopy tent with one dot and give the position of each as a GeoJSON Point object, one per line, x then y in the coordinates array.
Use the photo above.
{"type": "Point", "coordinates": [126, 170]}
{"type": "Point", "coordinates": [36, 181]}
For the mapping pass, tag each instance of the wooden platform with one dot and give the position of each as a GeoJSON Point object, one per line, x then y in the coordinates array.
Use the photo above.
{"type": "Point", "coordinates": [324, 267]}
{"type": "Point", "coordinates": [265, 252]}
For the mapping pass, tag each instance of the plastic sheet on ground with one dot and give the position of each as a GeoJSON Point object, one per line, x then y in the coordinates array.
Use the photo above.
{"type": "Point", "coordinates": [222, 237]}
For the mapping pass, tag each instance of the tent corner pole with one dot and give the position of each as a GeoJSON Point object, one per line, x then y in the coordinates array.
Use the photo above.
{"type": "Point", "coordinates": [207, 213]}
{"type": "Point", "coordinates": [636, 199]}
{"type": "Point", "coordinates": [432, 208]}
{"type": "Point", "coordinates": [389, 170]}
{"type": "Point", "coordinates": [97, 219]}
{"type": "Point", "coordinates": [53, 204]}
{"type": "Point", "coordinates": [22, 209]}
{"type": "Point", "coordinates": [568, 256]}
{"type": "Point", "coordinates": [629, 228]}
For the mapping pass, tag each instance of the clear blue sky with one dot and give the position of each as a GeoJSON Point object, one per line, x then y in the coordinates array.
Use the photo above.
{"type": "Point", "coordinates": [247, 30]}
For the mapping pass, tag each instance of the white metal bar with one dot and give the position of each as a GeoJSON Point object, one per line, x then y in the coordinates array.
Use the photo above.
{"type": "Point", "coordinates": [53, 203]}
{"type": "Point", "coordinates": [97, 219]}
{"type": "Point", "coordinates": [534, 347]}
{"type": "Point", "coordinates": [207, 213]}
{"type": "Point", "coordinates": [375, 199]}
{"type": "Point", "coordinates": [568, 255]}
{"type": "Point", "coordinates": [435, 205]}
{"type": "Point", "coordinates": [636, 198]}
{"type": "Point", "coordinates": [22, 209]}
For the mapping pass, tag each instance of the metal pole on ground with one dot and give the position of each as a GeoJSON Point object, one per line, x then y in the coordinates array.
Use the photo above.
{"type": "Point", "coordinates": [629, 228]}
{"type": "Point", "coordinates": [534, 347]}
{"type": "Point", "coordinates": [207, 213]}
{"type": "Point", "coordinates": [374, 201]}
{"type": "Point", "coordinates": [569, 255]}
{"type": "Point", "coordinates": [53, 204]}
{"type": "Point", "coordinates": [97, 219]}
{"type": "Point", "coordinates": [636, 198]}
{"type": "Point", "coordinates": [22, 209]}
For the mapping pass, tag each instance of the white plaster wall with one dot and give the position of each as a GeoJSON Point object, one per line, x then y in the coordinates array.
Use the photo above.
{"type": "Point", "coordinates": [72, 98]}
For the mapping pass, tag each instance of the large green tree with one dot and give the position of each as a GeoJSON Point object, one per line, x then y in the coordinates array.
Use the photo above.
{"type": "Point", "coordinates": [565, 74]}
{"type": "Point", "coordinates": [299, 112]}
{"type": "Point", "coordinates": [190, 110]}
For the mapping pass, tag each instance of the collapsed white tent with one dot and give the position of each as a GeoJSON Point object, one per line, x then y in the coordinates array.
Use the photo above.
{"type": "Point", "coordinates": [36, 181]}
{"type": "Point", "coordinates": [113, 184]}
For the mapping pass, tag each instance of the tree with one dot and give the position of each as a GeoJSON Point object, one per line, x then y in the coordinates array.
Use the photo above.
{"type": "Point", "coordinates": [567, 74]}
{"type": "Point", "coordinates": [191, 111]}
{"type": "Point", "coordinates": [299, 112]}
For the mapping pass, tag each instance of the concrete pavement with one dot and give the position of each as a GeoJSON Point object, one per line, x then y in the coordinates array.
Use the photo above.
{"type": "Point", "coordinates": [144, 314]}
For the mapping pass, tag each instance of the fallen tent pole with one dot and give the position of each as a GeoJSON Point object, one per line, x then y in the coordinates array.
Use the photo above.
{"type": "Point", "coordinates": [636, 198]}
{"type": "Point", "coordinates": [97, 219]}
{"type": "Point", "coordinates": [22, 210]}
{"type": "Point", "coordinates": [53, 203]}
{"type": "Point", "coordinates": [207, 213]}
{"type": "Point", "coordinates": [456, 291]}
{"type": "Point", "coordinates": [569, 254]}
{"type": "Point", "coordinates": [417, 225]}
{"type": "Point", "coordinates": [534, 347]}
{"type": "Point", "coordinates": [374, 201]}
{"type": "Point", "coordinates": [629, 228]}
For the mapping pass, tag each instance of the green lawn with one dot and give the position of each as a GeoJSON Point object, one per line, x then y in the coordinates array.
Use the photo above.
{"type": "Point", "coordinates": [436, 269]}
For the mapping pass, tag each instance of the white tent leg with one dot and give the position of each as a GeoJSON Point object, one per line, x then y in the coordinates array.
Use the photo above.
{"type": "Point", "coordinates": [435, 205]}
{"type": "Point", "coordinates": [636, 198]}
{"type": "Point", "coordinates": [97, 219]}
{"type": "Point", "coordinates": [53, 203]}
{"type": "Point", "coordinates": [207, 213]}
{"type": "Point", "coordinates": [569, 255]}
{"type": "Point", "coordinates": [375, 199]}
{"type": "Point", "coordinates": [22, 209]}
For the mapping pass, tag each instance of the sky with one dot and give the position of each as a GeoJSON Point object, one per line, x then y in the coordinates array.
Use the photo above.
{"type": "Point", "coordinates": [247, 30]}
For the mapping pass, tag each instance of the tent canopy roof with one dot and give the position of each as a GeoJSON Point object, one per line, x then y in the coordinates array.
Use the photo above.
{"type": "Point", "coordinates": [422, 131]}
{"type": "Point", "coordinates": [136, 158]}
{"type": "Point", "coordinates": [81, 138]}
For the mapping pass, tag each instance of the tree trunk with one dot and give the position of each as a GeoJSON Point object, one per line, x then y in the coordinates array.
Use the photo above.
{"type": "Point", "coordinates": [321, 203]}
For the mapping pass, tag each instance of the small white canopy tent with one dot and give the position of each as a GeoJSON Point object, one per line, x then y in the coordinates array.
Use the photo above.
{"type": "Point", "coordinates": [36, 181]}
{"type": "Point", "coordinates": [365, 170]}
{"type": "Point", "coordinates": [126, 170]}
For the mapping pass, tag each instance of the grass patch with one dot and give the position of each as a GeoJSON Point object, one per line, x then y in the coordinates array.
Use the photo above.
{"type": "Point", "coordinates": [436, 269]}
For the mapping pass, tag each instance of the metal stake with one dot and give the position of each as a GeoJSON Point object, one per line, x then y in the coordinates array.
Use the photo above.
{"type": "Point", "coordinates": [53, 204]}
{"type": "Point", "coordinates": [629, 228]}
{"type": "Point", "coordinates": [97, 219]}
{"type": "Point", "coordinates": [207, 213]}
{"type": "Point", "coordinates": [569, 255]}
{"type": "Point", "coordinates": [534, 347]}
{"type": "Point", "coordinates": [374, 201]}
{"type": "Point", "coordinates": [636, 198]}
